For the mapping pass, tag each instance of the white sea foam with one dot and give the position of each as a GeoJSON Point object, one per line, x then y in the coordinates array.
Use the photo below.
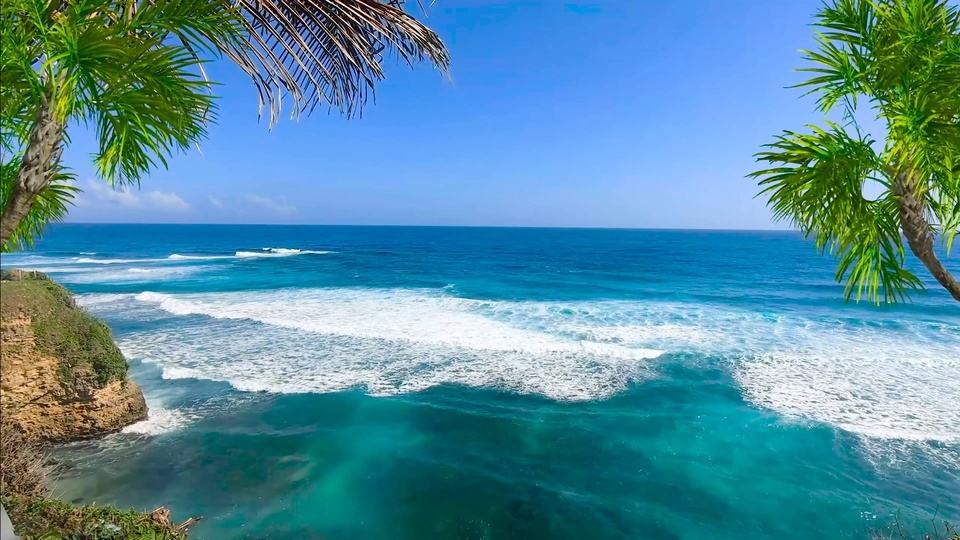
{"type": "Point", "coordinates": [277, 252]}
{"type": "Point", "coordinates": [178, 257]}
{"type": "Point", "coordinates": [289, 361]}
{"type": "Point", "coordinates": [128, 275]}
{"type": "Point", "coordinates": [90, 260]}
{"type": "Point", "coordinates": [895, 380]}
{"type": "Point", "coordinates": [62, 269]}
{"type": "Point", "coordinates": [160, 420]}
{"type": "Point", "coordinates": [265, 252]}
{"type": "Point", "coordinates": [888, 389]}
{"type": "Point", "coordinates": [65, 264]}
{"type": "Point", "coordinates": [386, 342]}
{"type": "Point", "coordinates": [34, 262]}
{"type": "Point", "coordinates": [101, 300]}
{"type": "Point", "coordinates": [395, 315]}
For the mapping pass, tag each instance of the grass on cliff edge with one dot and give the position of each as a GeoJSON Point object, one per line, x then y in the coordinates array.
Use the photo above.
{"type": "Point", "coordinates": [38, 518]}
{"type": "Point", "coordinates": [23, 475]}
{"type": "Point", "coordinates": [83, 344]}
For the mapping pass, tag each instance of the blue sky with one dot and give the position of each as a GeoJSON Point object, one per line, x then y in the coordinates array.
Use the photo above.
{"type": "Point", "coordinates": [610, 114]}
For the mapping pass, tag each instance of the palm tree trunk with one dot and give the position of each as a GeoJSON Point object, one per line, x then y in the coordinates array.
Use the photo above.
{"type": "Point", "coordinates": [919, 234]}
{"type": "Point", "coordinates": [39, 160]}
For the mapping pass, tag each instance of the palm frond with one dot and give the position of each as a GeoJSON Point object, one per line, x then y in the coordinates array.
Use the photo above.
{"type": "Point", "coordinates": [20, 84]}
{"type": "Point", "coordinates": [144, 98]}
{"type": "Point", "coordinates": [901, 57]}
{"type": "Point", "coordinates": [133, 70]}
{"type": "Point", "coordinates": [945, 203]}
{"type": "Point", "coordinates": [815, 181]}
{"type": "Point", "coordinates": [327, 51]}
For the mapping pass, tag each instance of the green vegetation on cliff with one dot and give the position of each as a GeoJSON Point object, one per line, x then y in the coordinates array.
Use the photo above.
{"type": "Point", "coordinates": [83, 344]}
{"type": "Point", "coordinates": [88, 359]}
{"type": "Point", "coordinates": [39, 518]}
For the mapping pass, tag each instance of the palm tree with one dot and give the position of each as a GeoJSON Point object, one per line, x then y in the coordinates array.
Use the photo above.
{"type": "Point", "coordinates": [134, 72]}
{"type": "Point", "coordinates": [50, 205]}
{"type": "Point", "coordinates": [900, 60]}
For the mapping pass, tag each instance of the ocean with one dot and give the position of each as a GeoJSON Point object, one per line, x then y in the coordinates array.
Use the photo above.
{"type": "Point", "coordinates": [493, 383]}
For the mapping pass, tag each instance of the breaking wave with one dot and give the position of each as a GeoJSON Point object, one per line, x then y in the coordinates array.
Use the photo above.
{"type": "Point", "coordinates": [893, 381]}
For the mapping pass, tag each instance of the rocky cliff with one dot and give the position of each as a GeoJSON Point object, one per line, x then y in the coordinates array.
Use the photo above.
{"type": "Point", "coordinates": [62, 377]}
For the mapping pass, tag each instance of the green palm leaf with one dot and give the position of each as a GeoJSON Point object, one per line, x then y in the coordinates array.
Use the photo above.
{"type": "Point", "coordinates": [134, 73]}
{"type": "Point", "coordinates": [899, 59]}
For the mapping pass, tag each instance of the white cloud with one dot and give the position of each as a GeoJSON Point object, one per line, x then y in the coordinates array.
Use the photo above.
{"type": "Point", "coordinates": [167, 201]}
{"type": "Point", "coordinates": [216, 202]}
{"type": "Point", "coordinates": [100, 192]}
{"type": "Point", "coordinates": [104, 193]}
{"type": "Point", "coordinates": [278, 206]}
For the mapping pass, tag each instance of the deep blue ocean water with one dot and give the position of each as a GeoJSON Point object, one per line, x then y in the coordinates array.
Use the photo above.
{"type": "Point", "coordinates": [461, 383]}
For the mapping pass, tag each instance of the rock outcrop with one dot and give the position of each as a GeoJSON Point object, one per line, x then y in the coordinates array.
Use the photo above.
{"type": "Point", "coordinates": [61, 376]}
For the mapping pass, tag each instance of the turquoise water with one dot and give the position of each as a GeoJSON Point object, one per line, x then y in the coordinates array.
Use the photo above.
{"type": "Point", "coordinates": [420, 383]}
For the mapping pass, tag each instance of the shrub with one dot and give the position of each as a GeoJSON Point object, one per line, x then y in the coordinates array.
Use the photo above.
{"type": "Point", "coordinates": [23, 467]}
{"type": "Point", "coordinates": [38, 518]}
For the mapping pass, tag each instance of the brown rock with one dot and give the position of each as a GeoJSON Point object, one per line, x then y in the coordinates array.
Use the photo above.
{"type": "Point", "coordinates": [33, 397]}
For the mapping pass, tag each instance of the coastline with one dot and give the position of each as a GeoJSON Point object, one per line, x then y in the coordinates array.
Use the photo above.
{"type": "Point", "coordinates": [63, 380]}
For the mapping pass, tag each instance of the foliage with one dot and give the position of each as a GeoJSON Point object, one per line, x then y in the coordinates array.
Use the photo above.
{"type": "Point", "coordinates": [327, 52]}
{"type": "Point", "coordinates": [133, 72]}
{"type": "Point", "coordinates": [23, 467]}
{"type": "Point", "coordinates": [82, 343]}
{"type": "Point", "coordinates": [51, 205]}
{"type": "Point", "coordinates": [38, 518]}
{"type": "Point", "coordinates": [115, 73]}
{"type": "Point", "coordinates": [899, 60]}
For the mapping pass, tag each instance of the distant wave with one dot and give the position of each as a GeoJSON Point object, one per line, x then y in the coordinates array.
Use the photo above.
{"type": "Point", "coordinates": [178, 257]}
{"type": "Point", "coordinates": [265, 252]}
{"type": "Point", "coordinates": [90, 260]}
{"type": "Point", "coordinates": [278, 252]}
{"type": "Point", "coordinates": [75, 273]}
{"type": "Point", "coordinates": [127, 275]}
{"type": "Point", "coordinates": [51, 263]}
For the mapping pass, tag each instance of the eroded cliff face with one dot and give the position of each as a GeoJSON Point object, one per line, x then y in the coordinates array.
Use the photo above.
{"type": "Point", "coordinates": [59, 397]}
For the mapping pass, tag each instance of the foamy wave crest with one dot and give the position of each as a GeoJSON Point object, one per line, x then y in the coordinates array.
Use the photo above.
{"type": "Point", "coordinates": [128, 275]}
{"type": "Point", "coordinates": [90, 260]}
{"type": "Point", "coordinates": [178, 257]}
{"type": "Point", "coordinates": [100, 300]}
{"type": "Point", "coordinates": [265, 252]}
{"type": "Point", "coordinates": [277, 252]}
{"type": "Point", "coordinates": [62, 263]}
{"type": "Point", "coordinates": [891, 379]}
{"type": "Point", "coordinates": [69, 263]}
{"type": "Point", "coordinates": [385, 342]}
{"type": "Point", "coordinates": [886, 379]}
{"type": "Point", "coordinates": [887, 389]}
{"type": "Point", "coordinates": [67, 269]}
{"type": "Point", "coordinates": [395, 315]}
{"type": "Point", "coordinates": [160, 420]}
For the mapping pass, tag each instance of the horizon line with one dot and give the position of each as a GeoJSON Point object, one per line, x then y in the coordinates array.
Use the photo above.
{"type": "Point", "coordinates": [562, 227]}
